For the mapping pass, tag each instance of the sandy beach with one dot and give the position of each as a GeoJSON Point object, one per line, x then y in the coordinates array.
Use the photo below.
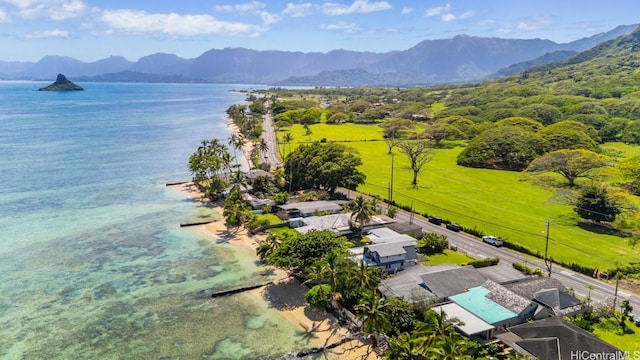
{"type": "Point", "coordinates": [286, 294]}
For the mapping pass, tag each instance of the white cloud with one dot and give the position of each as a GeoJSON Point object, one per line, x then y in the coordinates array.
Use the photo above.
{"type": "Point", "coordinates": [438, 11]}
{"type": "Point", "coordinates": [298, 10]}
{"type": "Point", "coordinates": [250, 7]}
{"type": "Point", "coordinates": [54, 9]}
{"type": "Point", "coordinates": [48, 34]}
{"type": "Point", "coordinates": [447, 17]}
{"type": "Point", "coordinates": [467, 14]}
{"type": "Point", "coordinates": [4, 17]}
{"type": "Point", "coordinates": [269, 18]}
{"type": "Point", "coordinates": [406, 10]}
{"type": "Point", "coordinates": [174, 24]}
{"type": "Point", "coordinates": [341, 26]}
{"type": "Point", "coordinates": [358, 7]}
{"type": "Point", "coordinates": [525, 26]}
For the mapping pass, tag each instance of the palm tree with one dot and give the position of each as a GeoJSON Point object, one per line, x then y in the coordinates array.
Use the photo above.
{"type": "Point", "coordinates": [372, 312]}
{"type": "Point", "coordinates": [362, 210]}
{"type": "Point", "coordinates": [263, 146]}
{"type": "Point", "coordinates": [238, 179]}
{"type": "Point", "coordinates": [268, 246]}
{"type": "Point", "coordinates": [287, 138]}
{"type": "Point", "coordinates": [365, 276]}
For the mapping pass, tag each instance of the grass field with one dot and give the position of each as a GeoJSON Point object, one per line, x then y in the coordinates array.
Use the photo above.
{"type": "Point", "coordinates": [448, 257]}
{"type": "Point", "coordinates": [502, 203]}
{"type": "Point", "coordinates": [609, 331]}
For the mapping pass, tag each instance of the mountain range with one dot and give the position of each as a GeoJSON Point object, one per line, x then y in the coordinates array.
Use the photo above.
{"type": "Point", "coordinates": [462, 58]}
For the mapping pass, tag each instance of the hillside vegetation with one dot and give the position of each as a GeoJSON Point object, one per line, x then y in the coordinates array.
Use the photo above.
{"type": "Point", "coordinates": [589, 102]}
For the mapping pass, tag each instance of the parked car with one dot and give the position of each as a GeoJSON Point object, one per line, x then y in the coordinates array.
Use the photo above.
{"type": "Point", "coordinates": [435, 220]}
{"type": "Point", "coordinates": [490, 239]}
{"type": "Point", "coordinates": [638, 320]}
{"type": "Point", "coordinates": [454, 227]}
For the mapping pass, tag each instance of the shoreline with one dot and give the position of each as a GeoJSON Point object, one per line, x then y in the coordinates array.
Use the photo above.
{"type": "Point", "coordinates": [285, 294]}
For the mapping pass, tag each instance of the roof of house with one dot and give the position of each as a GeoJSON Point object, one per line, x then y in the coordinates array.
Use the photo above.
{"type": "Point", "coordinates": [404, 227]}
{"type": "Point", "coordinates": [529, 286]}
{"type": "Point", "coordinates": [476, 301]}
{"type": "Point", "coordinates": [560, 301]}
{"type": "Point", "coordinates": [452, 281]}
{"type": "Point", "coordinates": [313, 206]}
{"type": "Point", "coordinates": [567, 339]}
{"type": "Point", "coordinates": [469, 323]}
{"type": "Point", "coordinates": [391, 248]}
{"type": "Point", "coordinates": [387, 235]}
{"type": "Point", "coordinates": [505, 297]}
{"type": "Point", "coordinates": [337, 222]}
{"type": "Point", "coordinates": [406, 284]}
{"type": "Point", "coordinates": [254, 173]}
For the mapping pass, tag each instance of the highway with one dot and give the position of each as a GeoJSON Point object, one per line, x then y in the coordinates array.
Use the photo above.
{"type": "Point", "coordinates": [476, 248]}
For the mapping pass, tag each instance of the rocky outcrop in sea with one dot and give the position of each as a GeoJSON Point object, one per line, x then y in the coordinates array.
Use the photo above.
{"type": "Point", "coordinates": [61, 84]}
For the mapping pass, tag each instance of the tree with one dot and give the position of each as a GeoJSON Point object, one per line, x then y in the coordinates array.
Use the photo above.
{"type": "Point", "coordinates": [300, 253]}
{"type": "Point", "coordinates": [235, 210]}
{"type": "Point", "coordinates": [438, 132]}
{"type": "Point", "coordinates": [372, 312]}
{"type": "Point", "coordinates": [523, 122]}
{"type": "Point", "coordinates": [571, 164]}
{"type": "Point", "coordinates": [318, 296]}
{"type": "Point", "coordinates": [394, 130]}
{"type": "Point", "coordinates": [502, 147]}
{"type": "Point", "coordinates": [307, 131]}
{"type": "Point", "coordinates": [361, 210]}
{"type": "Point", "coordinates": [419, 153]}
{"type": "Point", "coordinates": [594, 204]}
{"type": "Point", "coordinates": [631, 171]}
{"type": "Point", "coordinates": [324, 166]}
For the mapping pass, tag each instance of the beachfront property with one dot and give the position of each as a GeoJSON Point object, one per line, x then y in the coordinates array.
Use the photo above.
{"type": "Point", "coordinates": [340, 223]}
{"type": "Point", "coordinates": [391, 256]}
{"type": "Point", "coordinates": [309, 208]}
{"type": "Point", "coordinates": [550, 294]}
{"type": "Point", "coordinates": [554, 338]}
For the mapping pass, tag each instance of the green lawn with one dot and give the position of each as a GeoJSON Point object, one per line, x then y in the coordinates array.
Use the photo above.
{"type": "Point", "coordinates": [503, 203]}
{"type": "Point", "coordinates": [609, 331]}
{"type": "Point", "coordinates": [448, 257]}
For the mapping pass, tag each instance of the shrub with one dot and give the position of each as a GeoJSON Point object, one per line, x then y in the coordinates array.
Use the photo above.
{"type": "Point", "coordinates": [484, 262]}
{"type": "Point", "coordinates": [527, 270]}
{"type": "Point", "coordinates": [432, 243]}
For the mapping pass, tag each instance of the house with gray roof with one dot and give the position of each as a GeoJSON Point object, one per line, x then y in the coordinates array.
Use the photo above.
{"type": "Point", "coordinates": [446, 283]}
{"type": "Point", "coordinates": [554, 338]}
{"type": "Point", "coordinates": [308, 208]}
{"type": "Point", "coordinates": [550, 294]}
{"type": "Point", "coordinates": [407, 284]}
{"type": "Point", "coordinates": [391, 256]}
{"type": "Point", "coordinates": [338, 223]}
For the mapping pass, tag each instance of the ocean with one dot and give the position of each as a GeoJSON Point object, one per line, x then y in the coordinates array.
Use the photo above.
{"type": "Point", "coordinates": [93, 263]}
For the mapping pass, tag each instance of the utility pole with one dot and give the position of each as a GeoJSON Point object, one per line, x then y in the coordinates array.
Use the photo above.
{"type": "Point", "coordinates": [391, 184]}
{"type": "Point", "coordinates": [615, 294]}
{"type": "Point", "coordinates": [547, 261]}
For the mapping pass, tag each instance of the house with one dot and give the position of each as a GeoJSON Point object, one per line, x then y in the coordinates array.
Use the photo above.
{"type": "Point", "coordinates": [495, 304]}
{"type": "Point", "coordinates": [408, 283]}
{"type": "Point", "coordinates": [446, 283]}
{"type": "Point", "coordinates": [383, 235]}
{"type": "Point", "coordinates": [550, 294]}
{"type": "Point", "coordinates": [391, 256]}
{"type": "Point", "coordinates": [338, 223]}
{"type": "Point", "coordinates": [308, 208]}
{"type": "Point", "coordinates": [407, 228]}
{"type": "Point", "coordinates": [554, 338]}
{"type": "Point", "coordinates": [467, 323]}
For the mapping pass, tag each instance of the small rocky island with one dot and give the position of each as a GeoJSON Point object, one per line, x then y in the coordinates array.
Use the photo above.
{"type": "Point", "coordinates": [61, 84]}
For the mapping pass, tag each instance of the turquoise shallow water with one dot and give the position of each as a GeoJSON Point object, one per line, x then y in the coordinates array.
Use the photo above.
{"type": "Point", "coordinates": [93, 264]}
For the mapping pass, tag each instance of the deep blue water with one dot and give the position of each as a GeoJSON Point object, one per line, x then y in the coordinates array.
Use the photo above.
{"type": "Point", "coordinates": [93, 264]}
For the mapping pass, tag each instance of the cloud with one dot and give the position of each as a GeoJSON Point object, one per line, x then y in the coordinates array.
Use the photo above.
{"type": "Point", "coordinates": [298, 10]}
{"type": "Point", "coordinates": [4, 17]}
{"type": "Point", "coordinates": [467, 14]}
{"type": "Point", "coordinates": [174, 24]}
{"type": "Point", "coordinates": [438, 11]}
{"type": "Point", "coordinates": [269, 18]}
{"type": "Point", "coordinates": [358, 7]}
{"type": "Point", "coordinates": [447, 17]}
{"type": "Point", "coordinates": [341, 26]}
{"type": "Point", "coordinates": [48, 34]}
{"type": "Point", "coordinates": [54, 9]}
{"type": "Point", "coordinates": [406, 10]}
{"type": "Point", "coordinates": [250, 7]}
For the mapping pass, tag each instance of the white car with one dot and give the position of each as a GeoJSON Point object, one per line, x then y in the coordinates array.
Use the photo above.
{"type": "Point", "coordinates": [490, 239]}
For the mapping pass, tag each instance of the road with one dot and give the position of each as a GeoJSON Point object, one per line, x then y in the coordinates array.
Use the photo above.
{"type": "Point", "coordinates": [600, 290]}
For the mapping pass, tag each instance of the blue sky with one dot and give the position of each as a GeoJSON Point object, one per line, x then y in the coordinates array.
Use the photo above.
{"type": "Point", "coordinates": [90, 30]}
